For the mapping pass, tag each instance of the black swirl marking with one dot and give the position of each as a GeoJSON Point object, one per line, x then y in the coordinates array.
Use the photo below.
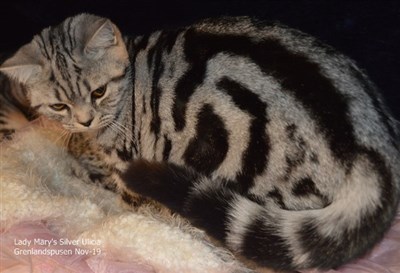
{"type": "Point", "coordinates": [296, 73]}
{"type": "Point", "coordinates": [208, 148]}
{"type": "Point", "coordinates": [255, 157]}
{"type": "Point", "coordinates": [188, 82]}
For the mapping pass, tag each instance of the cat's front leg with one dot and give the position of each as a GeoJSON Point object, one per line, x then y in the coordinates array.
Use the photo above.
{"type": "Point", "coordinates": [99, 172]}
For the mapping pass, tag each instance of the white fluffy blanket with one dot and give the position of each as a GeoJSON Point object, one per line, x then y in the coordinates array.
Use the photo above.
{"type": "Point", "coordinates": [42, 199]}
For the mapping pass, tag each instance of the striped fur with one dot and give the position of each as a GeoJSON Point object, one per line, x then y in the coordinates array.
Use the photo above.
{"type": "Point", "coordinates": [276, 145]}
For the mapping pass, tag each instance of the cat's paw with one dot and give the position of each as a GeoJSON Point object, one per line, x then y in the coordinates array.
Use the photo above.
{"type": "Point", "coordinates": [164, 182]}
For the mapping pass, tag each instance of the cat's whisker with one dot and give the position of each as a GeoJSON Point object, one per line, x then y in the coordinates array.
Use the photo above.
{"type": "Point", "coordinates": [67, 139]}
{"type": "Point", "coordinates": [119, 126]}
{"type": "Point", "coordinates": [123, 129]}
{"type": "Point", "coordinates": [116, 128]}
{"type": "Point", "coordinates": [105, 120]}
{"type": "Point", "coordinates": [61, 136]}
{"type": "Point", "coordinates": [64, 138]}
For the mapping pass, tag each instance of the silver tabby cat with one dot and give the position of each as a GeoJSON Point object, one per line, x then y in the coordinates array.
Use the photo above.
{"type": "Point", "coordinates": [275, 144]}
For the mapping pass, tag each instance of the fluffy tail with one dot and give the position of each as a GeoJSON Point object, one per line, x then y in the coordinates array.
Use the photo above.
{"type": "Point", "coordinates": [261, 231]}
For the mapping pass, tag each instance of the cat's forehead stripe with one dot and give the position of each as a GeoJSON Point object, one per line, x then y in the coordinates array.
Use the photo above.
{"type": "Point", "coordinates": [42, 47]}
{"type": "Point", "coordinates": [70, 35]}
{"type": "Point", "coordinates": [78, 88]}
{"type": "Point", "coordinates": [87, 85]}
{"type": "Point", "coordinates": [57, 94]}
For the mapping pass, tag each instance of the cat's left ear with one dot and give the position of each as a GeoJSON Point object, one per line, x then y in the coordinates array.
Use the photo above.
{"type": "Point", "coordinates": [24, 65]}
{"type": "Point", "coordinates": [102, 38]}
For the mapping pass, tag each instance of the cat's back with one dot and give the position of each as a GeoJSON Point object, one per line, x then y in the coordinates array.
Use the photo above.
{"type": "Point", "coordinates": [297, 77]}
{"type": "Point", "coordinates": [278, 100]}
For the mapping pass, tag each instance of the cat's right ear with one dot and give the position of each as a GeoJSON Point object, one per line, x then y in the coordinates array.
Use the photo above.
{"type": "Point", "coordinates": [24, 65]}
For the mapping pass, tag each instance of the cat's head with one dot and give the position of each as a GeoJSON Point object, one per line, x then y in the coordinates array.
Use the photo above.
{"type": "Point", "coordinates": [76, 73]}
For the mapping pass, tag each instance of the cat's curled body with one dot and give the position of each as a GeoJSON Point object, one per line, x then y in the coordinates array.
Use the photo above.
{"type": "Point", "coordinates": [275, 144]}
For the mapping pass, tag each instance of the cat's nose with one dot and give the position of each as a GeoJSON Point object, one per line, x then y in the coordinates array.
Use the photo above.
{"type": "Point", "coordinates": [87, 123]}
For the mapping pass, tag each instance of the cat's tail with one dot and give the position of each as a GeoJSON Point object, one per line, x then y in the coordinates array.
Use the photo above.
{"type": "Point", "coordinates": [357, 217]}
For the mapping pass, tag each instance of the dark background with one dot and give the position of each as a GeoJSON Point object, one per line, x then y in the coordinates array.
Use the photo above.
{"type": "Point", "coordinates": [367, 31]}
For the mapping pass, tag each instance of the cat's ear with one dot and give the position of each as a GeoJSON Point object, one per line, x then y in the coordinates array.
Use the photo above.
{"type": "Point", "coordinates": [24, 65]}
{"type": "Point", "coordinates": [103, 37]}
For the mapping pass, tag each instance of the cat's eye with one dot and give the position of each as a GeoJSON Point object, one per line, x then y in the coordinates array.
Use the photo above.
{"type": "Point", "coordinates": [99, 92]}
{"type": "Point", "coordinates": [58, 106]}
